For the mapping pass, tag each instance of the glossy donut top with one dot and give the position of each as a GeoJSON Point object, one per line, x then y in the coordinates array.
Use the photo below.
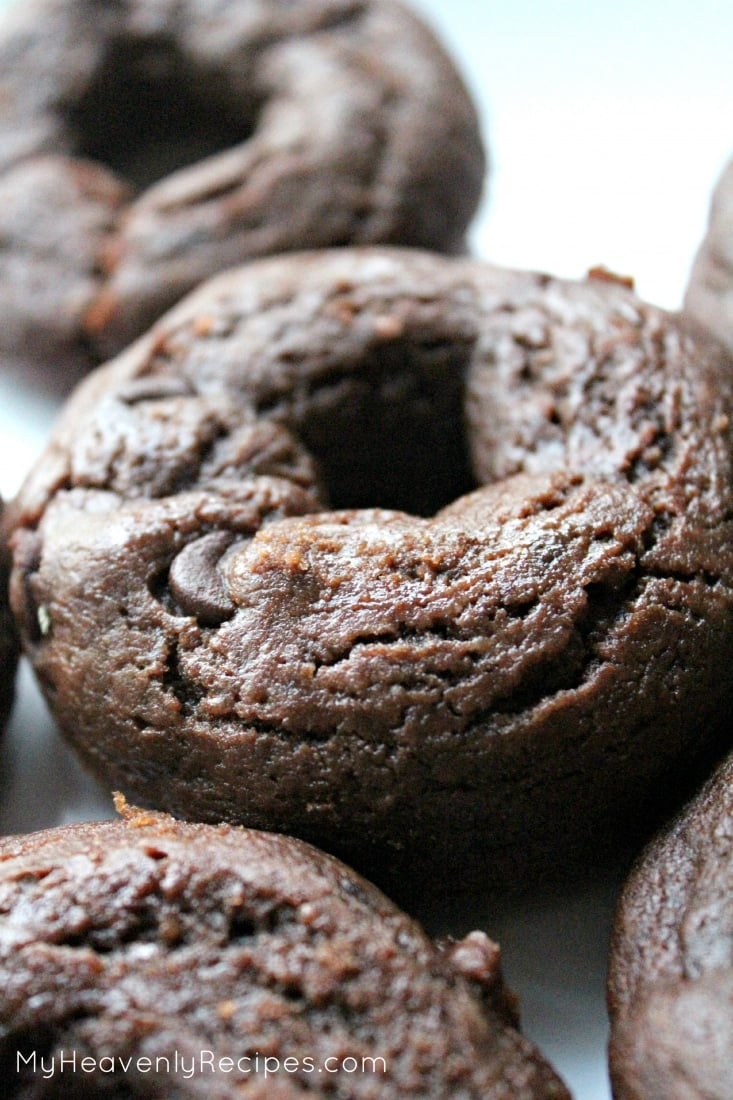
{"type": "Point", "coordinates": [146, 145]}
{"type": "Point", "coordinates": [156, 939]}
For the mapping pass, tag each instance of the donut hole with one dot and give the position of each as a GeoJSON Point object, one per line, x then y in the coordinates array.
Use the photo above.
{"type": "Point", "coordinates": [147, 112]}
{"type": "Point", "coordinates": [394, 435]}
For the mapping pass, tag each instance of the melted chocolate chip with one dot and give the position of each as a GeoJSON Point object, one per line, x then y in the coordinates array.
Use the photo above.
{"type": "Point", "coordinates": [195, 581]}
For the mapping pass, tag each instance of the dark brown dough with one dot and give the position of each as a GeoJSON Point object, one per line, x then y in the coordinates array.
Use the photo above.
{"type": "Point", "coordinates": [413, 676]}
{"type": "Point", "coordinates": [193, 944]}
{"type": "Point", "coordinates": [709, 296]}
{"type": "Point", "coordinates": [146, 145]}
{"type": "Point", "coordinates": [671, 972]}
{"type": "Point", "coordinates": [8, 637]}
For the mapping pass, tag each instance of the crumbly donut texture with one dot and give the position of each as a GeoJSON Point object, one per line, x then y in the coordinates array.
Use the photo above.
{"type": "Point", "coordinates": [151, 939]}
{"type": "Point", "coordinates": [146, 145]}
{"type": "Point", "coordinates": [709, 297]}
{"type": "Point", "coordinates": [8, 637]}
{"type": "Point", "coordinates": [671, 972]}
{"type": "Point", "coordinates": [513, 628]}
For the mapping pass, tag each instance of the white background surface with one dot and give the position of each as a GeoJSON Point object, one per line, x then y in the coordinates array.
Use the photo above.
{"type": "Point", "coordinates": [607, 127]}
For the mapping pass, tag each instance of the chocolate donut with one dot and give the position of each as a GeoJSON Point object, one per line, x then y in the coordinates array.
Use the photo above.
{"type": "Point", "coordinates": [220, 962]}
{"type": "Point", "coordinates": [671, 972]}
{"type": "Point", "coordinates": [709, 296]}
{"type": "Point", "coordinates": [514, 627]}
{"type": "Point", "coordinates": [8, 638]}
{"type": "Point", "coordinates": [146, 145]}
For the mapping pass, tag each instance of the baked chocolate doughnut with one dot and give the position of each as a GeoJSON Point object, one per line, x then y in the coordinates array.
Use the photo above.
{"type": "Point", "coordinates": [410, 676]}
{"type": "Point", "coordinates": [231, 963]}
{"type": "Point", "coordinates": [671, 972]}
{"type": "Point", "coordinates": [8, 638]}
{"type": "Point", "coordinates": [146, 145]}
{"type": "Point", "coordinates": [709, 296]}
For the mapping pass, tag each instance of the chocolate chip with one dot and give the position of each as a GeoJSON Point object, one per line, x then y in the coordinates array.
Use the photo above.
{"type": "Point", "coordinates": [195, 581]}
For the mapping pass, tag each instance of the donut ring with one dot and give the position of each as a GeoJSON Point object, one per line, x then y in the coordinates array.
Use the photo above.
{"type": "Point", "coordinates": [521, 668]}
{"type": "Point", "coordinates": [142, 150]}
{"type": "Point", "coordinates": [671, 970]}
{"type": "Point", "coordinates": [709, 296]}
{"type": "Point", "coordinates": [156, 939]}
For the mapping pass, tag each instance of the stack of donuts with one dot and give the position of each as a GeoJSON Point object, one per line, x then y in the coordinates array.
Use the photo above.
{"type": "Point", "coordinates": [356, 545]}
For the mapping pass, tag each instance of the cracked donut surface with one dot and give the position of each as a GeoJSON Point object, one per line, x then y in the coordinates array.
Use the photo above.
{"type": "Point", "coordinates": [222, 962]}
{"type": "Point", "coordinates": [670, 987]}
{"type": "Point", "coordinates": [511, 629]}
{"type": "Point", "coordinates": [146, 145]}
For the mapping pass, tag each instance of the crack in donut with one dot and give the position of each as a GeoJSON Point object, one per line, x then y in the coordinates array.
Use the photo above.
{"type": "Point", "coordinates": [151, 944]}
{"type": "Point", "coordinates": [670, 985]}
{"type": "Point", "coordinates": [507, 636]}
{"type": "Point", "coordinates": [144, 148]}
